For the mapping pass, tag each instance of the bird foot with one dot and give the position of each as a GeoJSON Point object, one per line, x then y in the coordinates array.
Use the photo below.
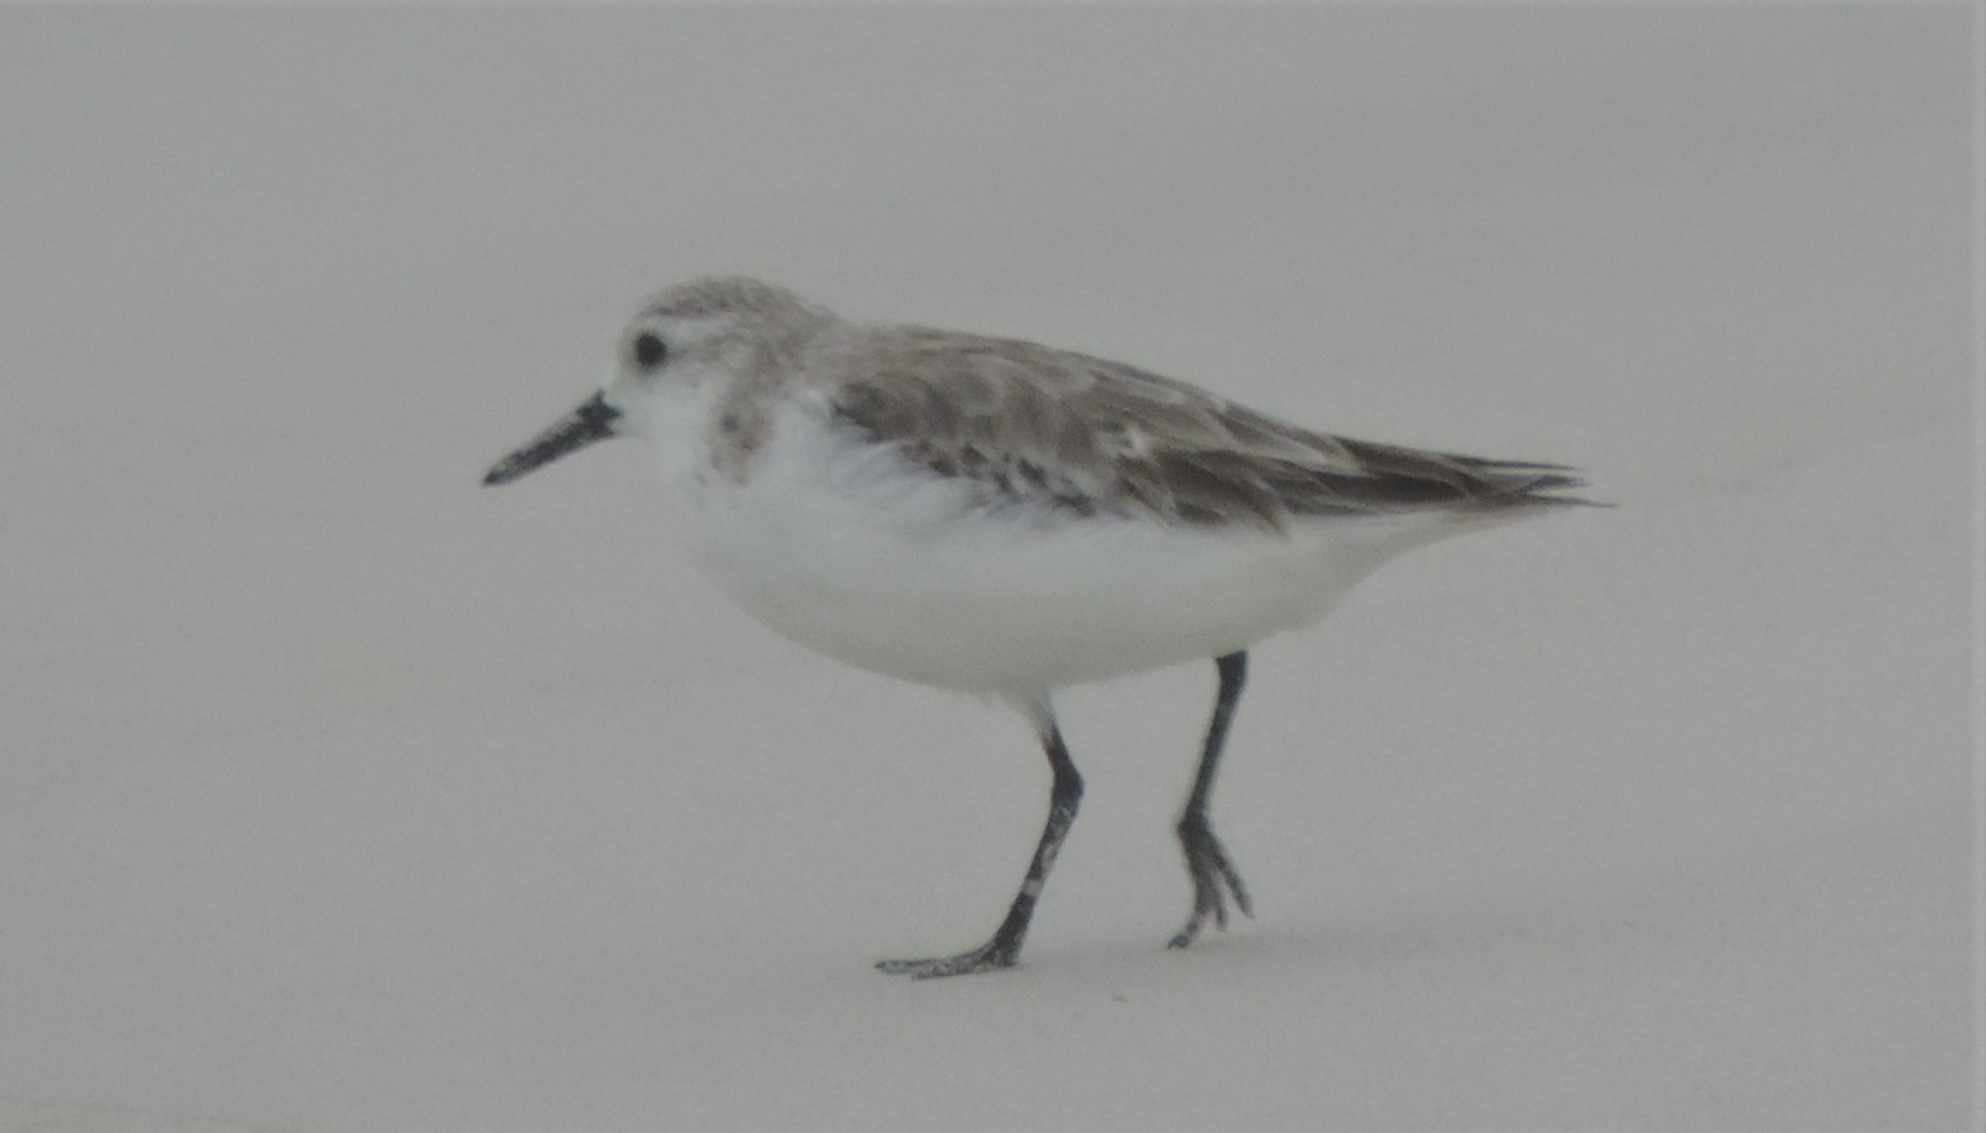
{"type": "Point", "coordinates": [987, 957]}
{"type": "Point", "coordinates": [1207, 862]}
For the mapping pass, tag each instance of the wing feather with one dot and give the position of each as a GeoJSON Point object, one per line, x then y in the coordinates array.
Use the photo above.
{"type": "Point", "coordinates": [1029, 425]}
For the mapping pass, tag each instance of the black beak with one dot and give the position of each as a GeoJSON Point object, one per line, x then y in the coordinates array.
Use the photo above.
{"type": "Point", "coordinates": [593, 421]}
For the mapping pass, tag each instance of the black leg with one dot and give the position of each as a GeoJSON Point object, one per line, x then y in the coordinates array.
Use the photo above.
{"type": "Point", "coordinates": [1005, 948]}
{"type": "Point", "coordinates": [1206, 861]}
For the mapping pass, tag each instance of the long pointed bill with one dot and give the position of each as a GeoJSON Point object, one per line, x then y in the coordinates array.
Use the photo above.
{"type": "Point", "coordinates": [593, 421]}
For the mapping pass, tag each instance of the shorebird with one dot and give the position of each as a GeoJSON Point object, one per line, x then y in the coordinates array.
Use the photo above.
{"type": "Point", "coordinates": [1006, 518]}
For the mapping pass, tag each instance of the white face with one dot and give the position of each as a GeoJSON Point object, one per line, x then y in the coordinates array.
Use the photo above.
{"type": "Point", "coordinates": [669, 372]}
{"type": "Point", "coordinates": [673, 364]}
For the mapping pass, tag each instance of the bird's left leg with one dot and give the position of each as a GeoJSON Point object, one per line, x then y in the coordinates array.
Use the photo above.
{"type": "Point", "coordinates": [1206, 861]}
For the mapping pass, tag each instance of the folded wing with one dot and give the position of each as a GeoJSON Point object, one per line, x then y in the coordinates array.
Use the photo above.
{"type": "Point", "coordinates": [1031, 426]}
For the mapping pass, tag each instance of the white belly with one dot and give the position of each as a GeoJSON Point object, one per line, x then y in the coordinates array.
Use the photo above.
{"type": "Point", "coordinates": [888, 570]}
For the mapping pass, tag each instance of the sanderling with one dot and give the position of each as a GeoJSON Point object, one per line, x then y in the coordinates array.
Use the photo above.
{"type": "Point", "coordinates": [1005, 518]}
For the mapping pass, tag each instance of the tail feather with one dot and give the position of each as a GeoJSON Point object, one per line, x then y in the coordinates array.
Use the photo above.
{"type": "Point", "coordinates": [1413, 478]}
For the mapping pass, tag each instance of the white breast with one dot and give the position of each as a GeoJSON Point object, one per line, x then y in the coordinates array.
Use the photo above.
{"type": "Point", "coordinates": [851, 550]}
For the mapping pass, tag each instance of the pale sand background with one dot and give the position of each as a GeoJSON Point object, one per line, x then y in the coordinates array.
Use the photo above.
{"type": "Point", "coordinates": [338, 792]}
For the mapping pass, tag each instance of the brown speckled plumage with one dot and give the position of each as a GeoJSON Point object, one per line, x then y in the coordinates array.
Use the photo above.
{"type": "Point", "coordinates": [1054, 428]}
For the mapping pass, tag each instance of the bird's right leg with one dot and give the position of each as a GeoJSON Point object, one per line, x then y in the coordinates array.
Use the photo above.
{"type": "Point", "coordinates": [1005, 948]}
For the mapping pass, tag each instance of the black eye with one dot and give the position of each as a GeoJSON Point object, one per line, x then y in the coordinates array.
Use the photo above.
{"type": "Point", "coordinates": [649, 351]}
